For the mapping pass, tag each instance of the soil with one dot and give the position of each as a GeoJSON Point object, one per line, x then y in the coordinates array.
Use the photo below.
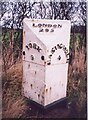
{"type": "Point", "coordinates": [64, 109]}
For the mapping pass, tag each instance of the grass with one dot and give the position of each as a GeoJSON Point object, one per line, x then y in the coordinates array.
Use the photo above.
{"type": "Point", "coordinates": [14, 103]}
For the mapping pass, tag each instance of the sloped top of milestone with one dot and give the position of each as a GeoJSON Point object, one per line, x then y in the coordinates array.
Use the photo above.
{"type": "Point", "coordinates": [50, 31]}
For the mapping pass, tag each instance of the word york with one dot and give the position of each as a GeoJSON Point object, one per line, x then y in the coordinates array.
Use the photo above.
{"type": "Point", "coordinates": [33, 45]}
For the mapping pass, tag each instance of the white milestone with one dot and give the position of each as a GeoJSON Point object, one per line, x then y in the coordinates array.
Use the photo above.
{"type": "Point", "coordinates": [45, 59]}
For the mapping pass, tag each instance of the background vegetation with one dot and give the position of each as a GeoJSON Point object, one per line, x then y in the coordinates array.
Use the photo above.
{"type": "Point", "coordinates": [12, 15]}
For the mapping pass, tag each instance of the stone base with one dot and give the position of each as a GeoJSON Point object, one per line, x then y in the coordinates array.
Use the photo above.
{"type": "Point", "coordinates": [62, 102]}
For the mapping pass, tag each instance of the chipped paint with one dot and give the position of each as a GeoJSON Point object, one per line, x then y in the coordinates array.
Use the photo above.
{"type": "Point", "coordinates": [46, 90]}
{"type": "Point", "coordinates": [50, 88]}
{"type": "Point", "coordinates": [31, 86]}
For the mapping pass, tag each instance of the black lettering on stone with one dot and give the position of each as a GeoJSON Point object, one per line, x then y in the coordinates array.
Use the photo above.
{"type": "Point", "coordinates": [52, 51]}
{"type": "Point", "coordinates": [54, 26]}
{"type": "Point", "coordinates": [34, 45]}
{"type": "Point", "coordinates": [39, 25]}
{"type": "Point", "coordinates": [65, 48]}
{"type": "Point", "coordinates": [67, 55]}
{"type": "Point", "coordinates": [42, 57]}
{"type": "Point", "coordinates": [50, 56]}
{"type": "Point", "coordinates": [49, 63]}
{"type": "Point", "coordinates": [55, 48]}
{"type": "Point", "coordinates": [65, 52]}
{"type": "Point", "coordinates": [59, 26]}
{"type": "Point", "coordinates": [39, 49]}
{"type": "Point", "coordinates": [44, 25]}
{"type": "Point", "coordinates": [27, 47]}
{"type": "Point", "coordinates": [49, 25]}
{"type": "Point", "coordinates": [59, 46]}
{"type": "Point", "coordinates": [47, 30]}
{"type": "Point", "coordinates": [32, 57]}
{"type": "Point", "coordinates": [30, 45]}
{"type": "Point", "coordinates": [52, 30]}
{"type": "Point", "coordinates": [34, 25]}
{"type": "Point", "coordinates": [41, 30]}
{"type": "Point", "coordinates": [59, 57]}
{"type": "Point", "coordinates": [67, 61]}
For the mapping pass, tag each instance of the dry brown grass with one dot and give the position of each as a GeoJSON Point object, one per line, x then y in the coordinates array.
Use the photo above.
{"type": "Point", "coordinates": [14, 104]}
{"type": "Point", "coordinates": [77, 84]}
{"type": "Point", "coordinates": [15, 72]}
{"type": "Point", "coordinates": [15, 109]}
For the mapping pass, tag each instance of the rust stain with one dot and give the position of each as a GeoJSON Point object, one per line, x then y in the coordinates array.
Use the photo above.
{"type": "Point", "coordinates": [29, 66]}
{"type": "Point", "coordinates": [38, 95]}
{"type": "Point", "coordinates": [42, 97]}
{"type": "Point", "coordinates": [46, 90]}
{"type": "Point", "coordinates": [35, 72]}
{"type": "Point", "coordinates": [44, 86]}
{"type": "Point", "coordinates": [24, 32]}
{"type": "Point", "coordinates": [31, 86]}
{"type": "Point", "coordinates": [43, 93]}
{"type": "Point", "coordinates": [50, 88]}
